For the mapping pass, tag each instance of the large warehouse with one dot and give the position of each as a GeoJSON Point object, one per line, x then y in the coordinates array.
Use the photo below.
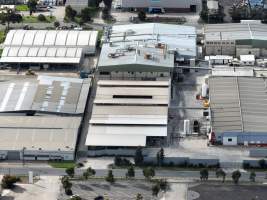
{"type": "Point", "coordinates": [236, 39]}
{"type": "Point", "coordinates": [129, 114]}
{"type": "Point", "coordinates": [167, 5]}
{"type": "Point", "coordinates": [238, 110]}
{"type": "Point", "coordinates": [45, 48]}
{"type": "Point", "coordinates": [40, 117]}
{"type": "Point", "coordinates": [145, 50]}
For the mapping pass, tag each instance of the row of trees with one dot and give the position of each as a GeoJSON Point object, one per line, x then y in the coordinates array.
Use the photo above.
{"type": "Point", "coordinates": [236, 175]}
{"type": "Point", "coordinates": [139, 157]}
{"type": "Point", "coordinates": [148, 173]}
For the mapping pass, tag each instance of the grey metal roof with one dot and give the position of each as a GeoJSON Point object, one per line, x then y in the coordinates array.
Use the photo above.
{"type": "Point", "coordinates": [45, 133]}
{"type": "Point", "coordinates": [133, 41]}
{"type": "Point", "coordinates": [238, 104]}
{"type": "Point", "coordinates": [45, 93]}
{"type": "Point", "coordinates": [235, 31]}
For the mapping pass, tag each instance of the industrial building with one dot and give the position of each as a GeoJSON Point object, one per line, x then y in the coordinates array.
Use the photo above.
{"type": "Point", "coordinates": [236, 39]}
{"type": "Point", "coordinates": [238, 110]}
{"type": "Point", "coordinates": [129, 114]}
{"type": "Point", "coordinates": [145, 51]}
{"type": "Point", "coordinates": [40, 117]}
{"type": "Point", "coordinates": [167, 5]}
{"type": "Point", "coordinates": [46, 48]}
{"type": "Point", "coordinates": [77, 5]}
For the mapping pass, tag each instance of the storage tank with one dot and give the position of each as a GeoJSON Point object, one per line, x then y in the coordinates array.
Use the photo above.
{"type": "Point", "coordinates": [187, 127]}
{"type": "Point", "coordinates": [204, 90]}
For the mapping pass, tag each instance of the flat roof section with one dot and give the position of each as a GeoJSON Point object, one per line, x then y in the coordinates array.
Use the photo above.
{"type": "Point", "coordinates": [130, 45]}
{"type": "Point", "coordinates": [235, 31]}
{"type": "Point", "coordinates": [39, 133]}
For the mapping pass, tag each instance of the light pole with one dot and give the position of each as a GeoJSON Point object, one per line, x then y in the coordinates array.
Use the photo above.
{"type": "Point", "coordinates": [23, 150]}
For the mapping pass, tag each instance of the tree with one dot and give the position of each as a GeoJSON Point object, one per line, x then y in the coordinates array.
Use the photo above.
{"type": "Point", "coordinates": [32, 6]}
{"type": "Point", "coordinates": [70, 13]}
{"type": "Point", "coordinates": [130, 173]}
{"type": "Point", "coordinates": [66, 185]}
{"type": "Point", "coordinates": [70, 171]}
{"type": "Point", "coordinates": [8, 181]}
{"type": "Point", "coordinates": [139, 197]}
{"type": "Point", "coordinates": [252, 176]}
{"type": "Point", "coordinates": [138, 158]}
{"type": "Point", "coordinates": [88, 173]}
{"type": "Point", "coordinates": [264, 17]}
{"type": "Point", "coordinates": [262, 163]}
{"type": "Point", "coordinates": [41, 18]}
{"type": "Point", "coordinates": [94, 3]}
{"type": "Point", "coordinates": [204, 174]}
{"type": "Point", "coordinates": [221, 173]}
{"type": "Point", "coordinates": [148, 172]}
{"type": "Point", "coordinates": [86, 14]}
{"type": "Point", "coordinates": [105, 13]}
{"type": "Point", "coordinates": [160, 157]}
{"type": "Point", "coordinates": [108, 3]}
{"type": "Point", "coordinates": [110, 177]}
{"type": "Point", "coordinates": [155, 190]}
{"type": "Point", "coordinates": [163, 184]}
{"type": "Point", "coordinates": [142, 15]}
{"type": "Point", "coordinates": [56, 24]}
{"type": "Point", "coordinates": [235, 176]}
{"type": "Point", "coordinates": [10, 16]}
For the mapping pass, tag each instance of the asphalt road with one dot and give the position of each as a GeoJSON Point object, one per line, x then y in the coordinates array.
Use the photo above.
{"type": "Point", "coordinates": [169, 174]}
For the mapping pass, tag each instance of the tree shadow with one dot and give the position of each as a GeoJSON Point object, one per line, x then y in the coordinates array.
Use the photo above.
{"type": "Point", "coordinates": [18, 189]}
{"type": "Point", "coordinates": [102, 186]}
{"type": "Point", "coordinates": [7, 198]}
{"type": "Point", "coordinates": [119, 185]}
{"type": "Point", "coordinates": [85, 187]}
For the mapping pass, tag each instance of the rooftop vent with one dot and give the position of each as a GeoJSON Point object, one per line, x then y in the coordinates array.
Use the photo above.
{"type": "Point", "coordinates": [148, 56]}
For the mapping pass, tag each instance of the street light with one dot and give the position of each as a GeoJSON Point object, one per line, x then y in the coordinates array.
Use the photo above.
{"type": "Point", "coordinates": [23, 150]}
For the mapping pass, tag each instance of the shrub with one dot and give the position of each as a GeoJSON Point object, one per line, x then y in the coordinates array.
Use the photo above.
{"type": "Point", "coordinates": [110, 177]}
{"type": "Point", "coordinates": [262, 164]}
{"type": "Point", "coordinates": [8, 181]}
{"type": "Point", "coordinates": [142, 16]}
{"type": "Point", "coordinates": [68, 191]}
{"type": "Point", "coordinates": [118, 161]}
{"type": "Point", "coordinates": [41, 18]}
{"type": "Point", "coordinates": [70, 171]}
{"type": "Point", "coordinates": [56, 24]}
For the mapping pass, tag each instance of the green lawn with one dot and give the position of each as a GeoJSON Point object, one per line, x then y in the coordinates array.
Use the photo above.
{"type": "Point", "coordinates": [34, 19]}
{"type": "Point", "coordinates": [22, 7]}
{"type": "Point", "coordinates": [62, 164]}
{"type": "Point", "coordinates": [2, 36]}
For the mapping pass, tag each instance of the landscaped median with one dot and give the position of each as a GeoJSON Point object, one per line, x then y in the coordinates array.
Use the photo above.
{"type": "Point", "coordinates": [36, 19]}
{"type": "Point", "coordinates": [22, 7]}
{"type": "Point", "coordinates": [62, 164]}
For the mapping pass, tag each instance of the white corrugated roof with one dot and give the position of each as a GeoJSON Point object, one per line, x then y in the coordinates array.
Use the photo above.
{"type": "Point", "coordinates": [47, 46]}
{"type": "Point", "coordinates": [128, 112]}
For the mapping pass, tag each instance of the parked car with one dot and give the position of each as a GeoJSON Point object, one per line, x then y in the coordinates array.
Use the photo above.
{"type": "Point", "coordinates": [156, 10]}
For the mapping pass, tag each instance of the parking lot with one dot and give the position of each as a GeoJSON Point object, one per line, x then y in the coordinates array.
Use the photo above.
{"type": "Point", "coordinates": [121, 190]}
{"type": "Point", "coordinates": [229, 192]}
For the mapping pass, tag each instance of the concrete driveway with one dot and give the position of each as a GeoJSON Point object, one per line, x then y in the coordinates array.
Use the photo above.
{"type": "Point", "coordinates": [47, 188]}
